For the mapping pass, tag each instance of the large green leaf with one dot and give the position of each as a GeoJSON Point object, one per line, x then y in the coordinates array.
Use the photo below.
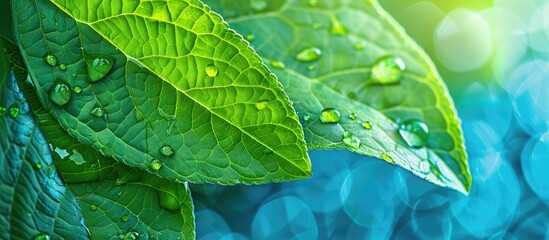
{"type": "Point", "coordinates": [109, 191]}
{"type": "Point", "coordinates": [34, 200]}
{"type": "Point", "coordinates": [352, 36]}
{"type": "Point", "coordinates": [160, 92]}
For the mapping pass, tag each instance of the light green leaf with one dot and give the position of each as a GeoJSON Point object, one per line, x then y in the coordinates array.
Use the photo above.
{"type": "Point", "coordinates": [351, 37]}
{"type": "Point", "coordinates": [34, 200]}
{"type": "Point", "coordinates": [159, 93]}
{"type": "Point", "coordinates": [108, 190]}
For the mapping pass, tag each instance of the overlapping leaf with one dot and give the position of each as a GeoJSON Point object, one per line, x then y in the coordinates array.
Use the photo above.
{"type": "Point", "coordinates": [159, 92]}
{"type": "Point", "coordinates": [34, 200]}
{"type": "Point", "coordinates": [117, 202]}
{"type": "Point", "coordinates": [351, 37]}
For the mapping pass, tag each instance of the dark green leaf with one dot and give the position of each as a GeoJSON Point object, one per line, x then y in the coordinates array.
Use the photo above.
{"type": "Point", "coordinates": [34, 199]}
{"type": "Point", "coordinates": [107, 190]}
{"type": "Point", "coordinates": [162, 90]}
{"type": "Point", "coordinates": [350, 37]}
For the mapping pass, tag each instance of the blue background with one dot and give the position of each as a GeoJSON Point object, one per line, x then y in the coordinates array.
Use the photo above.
{"type": "Point", "coordinates": [494, 56]}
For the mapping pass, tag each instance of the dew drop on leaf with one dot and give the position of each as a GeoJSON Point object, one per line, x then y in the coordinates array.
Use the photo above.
{"type": "Point", "coordinates": [51, 60]}
{"type": "Point", "coordinates": [77, 89]}
{"type": "Point", "coordinates": [311, 67]}
{"type": "Point", "coordinates": [38, 166]}
{"type": "Point", "coordinates": [97, 112]}
{"type": "Point", "coordinates": [353, 116]}
{"type": "Point", "coordinates": [62, 67]}
{"type": "Point", "coordinates": [130, 235]}
{"type": "Point", "coordinates": [250, 37]}
{"type": "Point", "coordinates": [258, 5]}
{"type": "Point", "coordinates": [306, 118]}
{"type": "Point", "coordinates": [125, 218]}
{"type": "Point", "coordinates": [168, 201]}
{"type": "Point", "coordinates": [14, 110]}
{"type": "Point", "coordinates": [60, 93]}
{"type": "Point", "coordinates": [351, 141]}
{"type": "Point", "coordinates": [262, 104]}
{"type": "Point", "coordinates": [93, 208]}
{"type": "Point", "coordinates": [414, 132]}
{"type": "Point", "coordinates": [211, 70]}
{"type": "Point", "coordinates": [2, 110]}
{"type": "Point", "coordinates": [330, 115]}
{"type": "Point", "coordinates": [309, 54]}
{"type": "Point", "coordinates": [277, 64]}
{"type": "Point", "coordinates": [156, 164]}
{"type": "Point", "coordinates": [367, 125]}
{"type": "Point", "coordinates": [359, 46]}
{"type": "Point", "coordinates": [42, 236]}
{"type": "Point", "coordinates": [166, 150]}
{"type": "Point", "coordinates": [74, 75]}
{"type": "Point", "coordinates": [98, 66]}
{"type": "Point", "coordinates": [388, 70]}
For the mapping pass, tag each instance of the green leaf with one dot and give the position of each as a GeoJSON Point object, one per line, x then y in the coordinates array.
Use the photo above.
{"type": "Point", "coordinates": [34, 199]}
{"type": "Point", "coordinates": [158, 93]}
{"type": "Point", "coordinates": [140, 208]}
{"type": "Point", "coordinates": [351, 37]}
{"type": "Point", "coordinates": [108, 190]}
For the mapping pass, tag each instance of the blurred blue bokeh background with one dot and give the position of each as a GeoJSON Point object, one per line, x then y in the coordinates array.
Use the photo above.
{"type": "Point", "coordinates": [494, 56]}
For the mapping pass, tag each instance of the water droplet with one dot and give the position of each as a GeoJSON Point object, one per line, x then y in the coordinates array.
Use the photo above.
{"type": "Point", "coordinates": [311, 67]}
{"type": "Point", "coordinates": [77, 89]}
{"type": "Point", "coordinates": [250, 37]}
{"type": "Point", "coordinates": [258, 5]}
{"type": "Point", "coordinates": [168, 200]}
{"type": "Point", "coordinates": [351, 141]}
{"type": "Point", "coordinates": [93, 208]}
{"type": "Point", "coordinates": [14, 110]}
{"type": "Point", "coordinates": [2, 110]}
{"type": "Point", "coordinates": [337, 27]}
{"type": "Point", "coordinates": [42, 236]}
{"type": "Point", "coordinates": [125, 218]}
{"type": "Point", "coordinates": [367, 125]}
{"type": "Point", "coordinates": [60, 93]}
{"type": "Point", "coordinates": [262, 104]}
{"type": "Point", "coordinates": [98, 66]}
{"type": "Point", "coordinates": [414, 132]}
{"type": "Point", "coordinates": [74, 75]}
{"type": "Point", "coordinates": [309, 54]}
{"type": "Point", "coordinates": [386, 157]}
{"type": "Point", "coordinates": [306, 118]}
{"type": "Point", "coordinates": [97, 112]}
{"type": "Point", "coordinates": [42, 16]}
{"type": "Point", "coordinates": [130, 235]}
{"type": "Point", "coordinates": [167, 150]}
{"type": "Point", "coordinates": [62, 67]}
{"type": "Point", "coordinates": [388, 70]}
{"type": "Point", "coordinates": [353, 116]}
{"type": "Point", "coordinates": [38, 166]}
{"type": "Point", "coordinates": [277, 64]}
{"type": "Point", "coordinates": [156, 164]}
{"type": "Point", "coordinates": [211, 70]}
{"type": "Point", "coordinates": [359, 46]}
{"type": "Point", "coordinates": [51, 60]}
{"type": "Point", "coordinates": [330, 115]}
